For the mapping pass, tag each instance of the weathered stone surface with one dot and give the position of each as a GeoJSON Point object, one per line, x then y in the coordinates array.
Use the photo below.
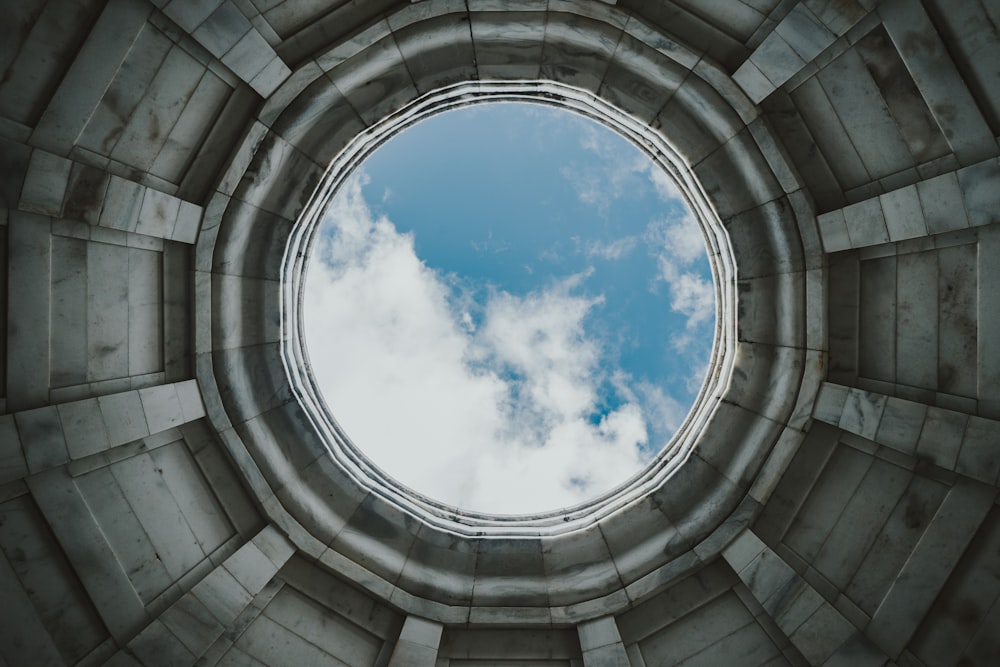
{"type": "Point", "coordinates": [171, 493]}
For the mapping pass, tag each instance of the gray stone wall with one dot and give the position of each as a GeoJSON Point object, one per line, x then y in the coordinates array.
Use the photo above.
{"type": "Point", "coordinates": [165, 497]}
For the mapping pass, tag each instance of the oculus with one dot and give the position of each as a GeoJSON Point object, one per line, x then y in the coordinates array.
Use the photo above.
{"type": "Point", "coordinates": [509, 308]}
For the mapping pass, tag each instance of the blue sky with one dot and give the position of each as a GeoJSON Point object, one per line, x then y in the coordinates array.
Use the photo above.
{"type": "Point", "coordinates": [509, 308]}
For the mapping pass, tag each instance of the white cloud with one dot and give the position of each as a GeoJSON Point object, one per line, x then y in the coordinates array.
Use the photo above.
{"type": "Point", "coordinates": [679, 244]}
{"type": "Point", "coordinates": [488, 409]}
{"type": "Point", "coordinates": [617, 173]}
{"type": "Point", "coordinates": [677, 241]}
{"type": "Point", "coordinates": [610, 251]}
{"type": "Point", "coordinates": [665, 186]}
{"type": "Point", "coordinates": [690, 294]}
{"type": "Point", "coordinates": [680, 237]}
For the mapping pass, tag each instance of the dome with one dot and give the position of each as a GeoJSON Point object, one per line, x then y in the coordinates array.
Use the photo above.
{"type": "Point", "coordinates": [175, 493]}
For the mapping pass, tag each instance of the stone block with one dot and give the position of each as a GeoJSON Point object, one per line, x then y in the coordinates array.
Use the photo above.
{"type": "Point", "coordinates": [421, 632]}
{"type": "Point", "coordinates": [979, 184]}
{"type": "Point", "coordinates": [597, 633]}
{"type": "Point", "coordinates": [917, 319]}
{"type": "Point", "coordinates": [189, 397]}
{"type": "Point", "coordinates": [941, 437]}
{"type": "Point", "coordinates": [988, 352]}
{"type": "Point", "coordinates": [107, 312]}
{"type": "Point", "coordinates": [830, 403]}
{"type": "Point", "coordinates": [866, 223]}
{"type": "Point", "coordinates": [24, 638]}
{"type": "Point", "coordinates": [510, 569]}
{"type": "Point", "coordinates": [251, 567]}
{"type": "Point", "coordinates": [121, 527]}
{"type": "Point", "coordinates": [833, 231]}
{"type": "Point", "coordinates": [292, 611]}
{"type": "Point", "coordinates": [161, 407]}
{"type": "Point", "coordinates": [157, 214]}
{"type": "Point", "coordinates": [45, 183]}
{"type": "Point", "coordinates": [197, 503]}
{"type": "Point", "coordinates": [776, 59]}
{"type": "Point", "coordinates": [187, 223]}
{"type": "Point", "coordinates": [929, 63]}
{"type": "Point", "coordinates": [222, 595]}
{"type": "Point", "coordinates": [192, 624]}
{"type": "Point", "coordinates": [821, 634]}
{"type": "Point", "coordinates": [578, 561]}
{"type": "Point", "coordinates": [636, 545]}
{"type": "Point", "coordinates": [28, 310]}
{"type": "Point", "coordinates": [408, 654]}
{"type": "Point", "coordinates": [979, 457]}
{"type": "Point", "coordinates": [433, 551]}
{"type": "Point", "coordinates": [81, 537]}
{"type": "Point", "coordinates": [743, 550]}
{"type": "Point", "coordinates": [612, 655]}
{"type": "Point", "coordinates": [904, 217]}
{"type": "Point", "coordinates": [927, 569]}
{"type": "Point", "coordinates": [123, 417]}
{"type": "Point", "coordinates": [83, 426]}
{"type": "Point", "coordinates": [268, 79]}
{"type": "Point", "coordinates": [249, 56]}
{"type": "Point", "coordinates": [156, 645]}
{"type": "Point", "coordinates": [122, 204]}
{"type": "Point", "coordinates": [862, 413]}
{"type": "Point", "coordinates": [42, 438]}
{"type": "Point", "coordinates": [942, 204]}
{"type": "Point", "coordinates": [804, 32]}
{"type": "Point", "coordinates": [12, 463]}
{"type": "Point", "coordinates": [221, 29]}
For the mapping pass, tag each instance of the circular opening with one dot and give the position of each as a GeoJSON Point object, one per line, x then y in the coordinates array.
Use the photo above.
{"type": "Point", "coordinates": [509, 308]}
{"type": "Point", "coordinates": [306, 237]}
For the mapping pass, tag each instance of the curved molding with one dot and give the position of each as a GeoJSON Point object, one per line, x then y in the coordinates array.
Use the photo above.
{"type": "Point", "coordinates": [418, 555]}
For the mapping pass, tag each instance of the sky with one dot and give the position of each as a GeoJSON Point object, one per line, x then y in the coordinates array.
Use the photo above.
{"type": "Point", "coordinates": [508, 308]}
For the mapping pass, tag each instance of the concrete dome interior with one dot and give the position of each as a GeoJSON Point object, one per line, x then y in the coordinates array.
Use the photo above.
{"type": "Point", "coordinates": [169, 496]}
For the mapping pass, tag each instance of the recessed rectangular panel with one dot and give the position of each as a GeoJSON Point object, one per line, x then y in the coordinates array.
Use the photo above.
{"type": "Point", "coordinates": [150, 124]}
{"type": "Point", "coordinates": [52, 34]}
{"type": "Point", "coordinates": [696, 631]}
{"type": "Point", "coordinates": [895, 543]}
{"type": "Point", "coordinates": [514, 645]}
{"type": "Point", "coordinates": [826, 501]}
{"type": "Point", "coordinates": [860, 522]}
{"type": "Point", "coordinates": [125, 534]}
{"type": "Point", "coordinates": [946, 635]}
{"type": "Point", "coordinates": [958, 318]}
{"type": "Point", "coordinates": [877, 319]}
{"type": "Point", "coordinates": [859, 104]}
{"type": "Point", "coordinates": [145, 311]}
{"type": "Point", "coordinates": [916, 124]}
{"type": "Point", "coordinates": [107, 123]}
{"type": "Point", "coordinates": [68, 342]}
{"type": "Point", "coordinates": [194, 123]}
{"type": "Point", "coordinates": [43, 571]}
{"type": "Point", "coordinates": [843, 303]}
{"type": "Point", "coordinates": [917, 320]}
{"type": "Point", "coordinates": [107, 311]}
{"type": "Point", "coordinates": [329, 631]}
{"type": "Point", "coordinates": [146, 490]}
{"type": "Point", "coordinates": [195, 499]}
{"type": "Point", "coordinates": [3, 309]}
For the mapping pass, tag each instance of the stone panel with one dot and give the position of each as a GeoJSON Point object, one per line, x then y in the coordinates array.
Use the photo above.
{"type": "Point", "coordinates": [162, 497]}
{"type": "Point", "coordinates": [721, 632]}
{"type": "Point", "coordinates": [50, 34]}
{"type": "Point", "coordinates": [297, 629]}
{"type": "Point", "coordinates": [45, 575]}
